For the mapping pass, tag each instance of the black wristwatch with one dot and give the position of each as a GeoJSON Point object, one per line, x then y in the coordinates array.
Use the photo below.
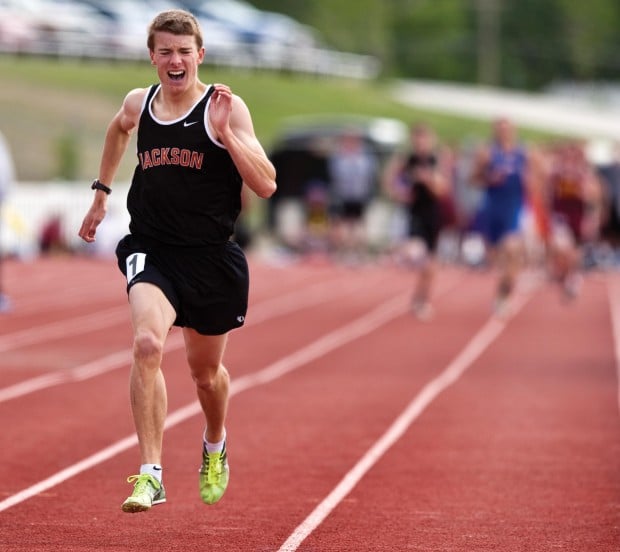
{"type": "Point", "coordinates": [97, 185]}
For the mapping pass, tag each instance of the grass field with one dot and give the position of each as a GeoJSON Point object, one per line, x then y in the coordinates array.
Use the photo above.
{"type": "Point", "coordinates": [56, 111]}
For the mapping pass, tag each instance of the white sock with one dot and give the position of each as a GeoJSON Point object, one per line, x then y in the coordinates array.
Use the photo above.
{"type": "Point", "coordinates": [152, 469]}
{"type": "Point", "coordinates": [214, 447]}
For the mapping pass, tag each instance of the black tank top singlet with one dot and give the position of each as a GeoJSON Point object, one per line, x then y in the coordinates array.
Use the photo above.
{"type": "Point", "coordinates": [424, 203]}
{"type": "Point", "coordinates": [186, 190]}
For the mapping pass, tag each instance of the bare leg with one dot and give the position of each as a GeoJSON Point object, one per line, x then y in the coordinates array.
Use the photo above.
{"type": "Point", "coordinates": [426, 277]}
{"type": "Point", "coordinates": [512, 261]}
{"type": "Point", "coordinates": [204, 355]}
{"type": "Point", "coordinates": [152, 315]}
{"type": "Point", "coordinates": [5, 302]}
{"type": "Point", "coordinates": [509, 261]}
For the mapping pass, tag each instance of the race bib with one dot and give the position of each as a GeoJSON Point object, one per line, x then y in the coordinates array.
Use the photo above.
{"type": "Point", "coordinates": [135, 265]}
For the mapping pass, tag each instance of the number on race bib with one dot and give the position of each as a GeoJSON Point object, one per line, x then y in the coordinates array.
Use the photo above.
{"type": "Point", "coordinates": [135, 265]}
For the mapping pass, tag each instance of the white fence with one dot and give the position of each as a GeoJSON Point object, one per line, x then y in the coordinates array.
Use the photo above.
{"type": "Point", "coordinates": [30, 207]}
{"type": "Point", "coordinates": [309, 60]}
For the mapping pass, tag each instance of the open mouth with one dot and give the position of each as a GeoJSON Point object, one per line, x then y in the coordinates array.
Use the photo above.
{"type": "Point", "coordinates": [176, 75]}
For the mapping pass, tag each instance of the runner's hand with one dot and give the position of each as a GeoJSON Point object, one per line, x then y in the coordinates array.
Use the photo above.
{"type": "Point", "coordinates": [93, 218]}
{"type": "Point", "coordinates": [220, 108]}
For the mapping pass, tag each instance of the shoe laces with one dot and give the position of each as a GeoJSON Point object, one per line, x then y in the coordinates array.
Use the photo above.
{"type": "Point", "coordinates": [214, 467]}
{"type": "Point", "coordinates": [142, 481]}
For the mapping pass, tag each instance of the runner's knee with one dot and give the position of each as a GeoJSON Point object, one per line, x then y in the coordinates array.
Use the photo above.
{"type": "Point", "coordinates": [208, 378]}
{"type": "Point", "coordinates": [147, 347]}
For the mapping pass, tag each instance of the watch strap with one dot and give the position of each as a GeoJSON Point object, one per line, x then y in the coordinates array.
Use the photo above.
{"type": "Point", "coordinates": [98, 185]}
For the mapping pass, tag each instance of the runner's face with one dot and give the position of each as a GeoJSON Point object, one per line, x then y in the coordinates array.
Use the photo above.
{"type": "Point", "coordinates": [504, 132]}
{"type": "Point", "coordinates": [177, 59]}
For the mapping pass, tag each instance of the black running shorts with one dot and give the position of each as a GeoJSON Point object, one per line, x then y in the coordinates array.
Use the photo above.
{"type": "Point", "coordinates": [207, 286]}
{"type": "Point", "coordinates": [426, 228]}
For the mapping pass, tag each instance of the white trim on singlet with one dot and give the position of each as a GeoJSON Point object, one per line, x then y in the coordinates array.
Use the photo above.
{"type": "Point", "coordinates": [208, 129]}
{"type": "Point", "coordinates": [206, 114]}
{"type": "Point", "coordinates": [174, 121]}
{"type": "Point", "coordinates": [146, 95]}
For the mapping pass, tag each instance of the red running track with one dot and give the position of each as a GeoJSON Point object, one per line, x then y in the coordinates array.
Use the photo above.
{"type": "Point", "coordinates": [352, 426]}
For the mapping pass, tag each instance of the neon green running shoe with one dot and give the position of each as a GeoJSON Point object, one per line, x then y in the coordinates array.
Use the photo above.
{"type": "Point", "coordinates": [147, 492]}
{"type": "Point", "coordinates": [213, 475]}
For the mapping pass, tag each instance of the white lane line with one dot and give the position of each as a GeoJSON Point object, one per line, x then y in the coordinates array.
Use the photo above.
{"type": "Point", "coordinates": [614, 307]}
{"type": "Point", "coordinates": [476, 346]}
{"type": "Point", "coordinates": [64, 328]}
{"type": "Point", "coordinates": [83, 372]}
{"type": "Point", "coordinates": [283, 304]}
{"type": "Point", "coordinates": [59, 298]}
{"type": "Point", "coordinates": [40, 299]}
{"type": "Point", "coordinates": [268, 309]}
{"type": "Point", "coordinates": [367, 323]}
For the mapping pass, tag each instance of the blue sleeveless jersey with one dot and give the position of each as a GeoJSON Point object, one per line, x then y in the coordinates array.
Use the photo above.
{"type": "Point", "coordinates": [510, 192]}
{"type": "Point", "coordinates": [503, 202]}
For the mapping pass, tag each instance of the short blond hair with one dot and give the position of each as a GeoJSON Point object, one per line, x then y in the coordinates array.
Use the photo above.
{"type": "Point", "coordinates": [178, 22]}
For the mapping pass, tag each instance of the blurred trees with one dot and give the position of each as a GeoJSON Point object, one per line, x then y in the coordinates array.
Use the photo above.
{"type": "Point", "coordinates": [513, 43]}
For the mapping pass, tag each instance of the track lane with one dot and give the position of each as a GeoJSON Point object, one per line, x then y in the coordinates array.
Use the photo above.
{"type": "Point", "coordinates": [23, 358]}
{"type": "Point", "coordinates": [102, 401]}
{"type": "Point", "coordinates": [257, 516]}
{"type": "Point", "coordinates": [270, 373]}
{"type": "Point", "coordinates": [31, 353]}
{"type": "Point", "coordinates": [522, 454]}
{"type": "Point", "coordinates": [372, 346]}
